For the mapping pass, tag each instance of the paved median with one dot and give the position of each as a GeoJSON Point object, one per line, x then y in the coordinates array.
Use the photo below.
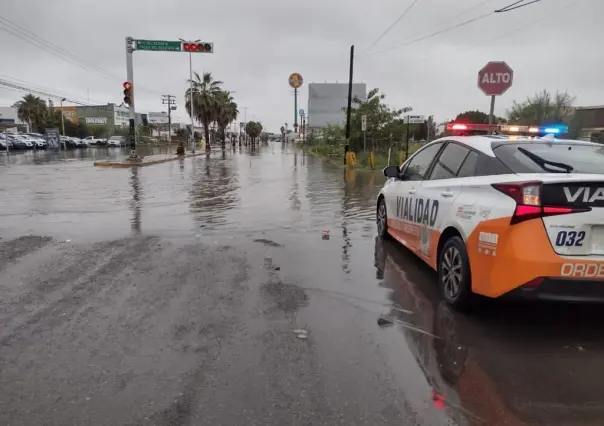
{"type": "Point", "coordinates": [145, 161]}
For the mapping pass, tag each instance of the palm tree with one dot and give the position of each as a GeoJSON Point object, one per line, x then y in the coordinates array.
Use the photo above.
{"type": "Point", "coordinates": [226, 112]}
{"type": "Point", "coordinates": [253, 129]}
{"type": "Point", "coordinates": [32, 110]}
{"type": "Point", "coordinates": [205, 93]}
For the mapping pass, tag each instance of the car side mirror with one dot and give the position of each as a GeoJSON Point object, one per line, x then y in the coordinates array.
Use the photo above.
{"type": "Point", "coordinates": [392, 172]}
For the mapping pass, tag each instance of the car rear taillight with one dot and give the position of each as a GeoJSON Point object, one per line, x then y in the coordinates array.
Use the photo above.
{"type": "Point", "coordinates": [528, 201]}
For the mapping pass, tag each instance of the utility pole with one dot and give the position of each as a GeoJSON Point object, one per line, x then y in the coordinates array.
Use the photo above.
{"type": "Point", "coordinates": [132, 111]}
{"type": "Point", "coordinates": [347, 146]}
{"type": "Point", "coordinates": [169, 100]}
{"type": "Point", "coordinates": [244, 123]}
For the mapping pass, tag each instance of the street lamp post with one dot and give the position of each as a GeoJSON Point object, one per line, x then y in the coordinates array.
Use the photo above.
{"type": "Point", "coordinates": [62, 118]}
{"type": "Point", "coordinates": [191, 91]}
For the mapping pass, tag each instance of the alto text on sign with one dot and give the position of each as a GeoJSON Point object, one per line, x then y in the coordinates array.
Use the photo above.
{"type": "Point", "coordinates": [495, 78]}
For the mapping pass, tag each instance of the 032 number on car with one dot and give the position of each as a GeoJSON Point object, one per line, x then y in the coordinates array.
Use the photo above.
{"type": "Point", "coordinates": [570, 238]}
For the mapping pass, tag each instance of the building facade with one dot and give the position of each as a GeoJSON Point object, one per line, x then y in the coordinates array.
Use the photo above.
{"type": "Point", "coordinates": [110, 115]}
{"type": "Point", "coordinates": [327, 102]}
{"type": "Point", "coordinates": [589, 123]}
{"type": "Point", "coordinates": [9, 115]}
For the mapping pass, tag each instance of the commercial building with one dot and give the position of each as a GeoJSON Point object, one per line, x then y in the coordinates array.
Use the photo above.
{"type": "Point", "coordinates": [327, 102]}
{"type": "Point", "coordinates": [110, 115]}
{"type": "Point", "coordinates": [9, 115]}
{"type": "Point", "coordinates": [589, 121]}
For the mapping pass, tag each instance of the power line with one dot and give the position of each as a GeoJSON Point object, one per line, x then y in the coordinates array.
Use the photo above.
{"type": "Point", "coordinates": [461, 12]}
{"type": "Point", "coordinates": [401, 16]}
{"type": "Point", "coordinates": [33, 86]}
{"type": "Point", "coordinates": [461, 24]}
{"type": "Point", "coordinates": [515, 5]}
{"type": "Point", "coordinates": [28, 36]}
{"type": "Point", "coordinates": [21, 88]}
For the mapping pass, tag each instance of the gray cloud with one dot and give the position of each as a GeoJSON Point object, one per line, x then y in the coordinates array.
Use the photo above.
{"type": "Point", "coordinates": [553, 44]}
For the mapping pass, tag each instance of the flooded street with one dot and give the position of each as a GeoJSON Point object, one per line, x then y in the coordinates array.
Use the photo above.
{"type": "Point", "coordinates": [246, 288]}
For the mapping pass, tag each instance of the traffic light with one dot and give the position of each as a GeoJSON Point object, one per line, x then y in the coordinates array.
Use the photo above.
{"type": "Point", "coordinates": [127, 93]}
{"type": "Point", "coordinates": [203, 47]}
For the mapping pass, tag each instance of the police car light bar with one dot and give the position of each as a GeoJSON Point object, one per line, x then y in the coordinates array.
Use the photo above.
{"type": "Point", "coordinates": [470, 126]}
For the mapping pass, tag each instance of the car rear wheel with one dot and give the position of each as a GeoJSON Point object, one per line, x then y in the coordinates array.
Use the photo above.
{"type": "Point", "coordinates": [454, 277]}
{"type": "Point", "coordinates": [382, 219]}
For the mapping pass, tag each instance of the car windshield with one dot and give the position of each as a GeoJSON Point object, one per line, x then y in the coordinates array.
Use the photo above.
{"type": "Point", "coordinates": [581, 158]}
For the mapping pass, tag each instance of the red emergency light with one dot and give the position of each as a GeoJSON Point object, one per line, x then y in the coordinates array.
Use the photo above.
{"type": "Point", "coordinates": [471, 126]}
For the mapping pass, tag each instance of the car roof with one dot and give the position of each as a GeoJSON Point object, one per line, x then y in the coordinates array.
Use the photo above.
{"type": "Point", "coordinates": [486, 143]}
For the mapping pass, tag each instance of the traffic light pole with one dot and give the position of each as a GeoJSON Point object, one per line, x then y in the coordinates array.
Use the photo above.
{"type": "Point", "coordinates": [169, 100]}
{"type": "Point", "coordinates": [132, 111]}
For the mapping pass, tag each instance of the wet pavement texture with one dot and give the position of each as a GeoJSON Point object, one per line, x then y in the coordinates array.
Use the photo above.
{"type": "Point", "coordinates": [248, 288]}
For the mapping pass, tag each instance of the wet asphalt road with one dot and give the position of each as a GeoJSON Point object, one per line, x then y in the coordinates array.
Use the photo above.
{"type": "Point", "coordinates": [170, 296]}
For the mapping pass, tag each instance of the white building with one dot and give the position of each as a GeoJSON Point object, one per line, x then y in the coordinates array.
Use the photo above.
{"type": "Point", "coordinates": [9, 115]}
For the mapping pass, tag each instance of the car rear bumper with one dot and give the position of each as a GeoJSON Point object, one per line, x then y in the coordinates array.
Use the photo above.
{"type": "Point", "coordinates": [563, 289]}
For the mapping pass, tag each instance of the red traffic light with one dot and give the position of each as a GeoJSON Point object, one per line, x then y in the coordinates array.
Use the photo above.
{"type": "Point", "coordinates": [197, 47]}
{"type": "Point", "coordinates": [127, 85]}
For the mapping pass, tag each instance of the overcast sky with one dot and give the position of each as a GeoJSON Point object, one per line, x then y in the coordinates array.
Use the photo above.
{"type": "Point", "coordinates": [553, 44]}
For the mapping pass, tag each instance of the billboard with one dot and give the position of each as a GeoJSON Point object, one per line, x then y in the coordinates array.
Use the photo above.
{"type": "Point", "coordinates": [327, 102]}
{"type": "Point", "coordinates": [157, 117]}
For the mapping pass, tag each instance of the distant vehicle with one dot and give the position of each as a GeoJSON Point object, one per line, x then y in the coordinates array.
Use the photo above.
{"type": "Point", "coordinates": [28, 142]}
{"type": "Point", "coordinates": [116, 141]}
{"type": "Point", "coordinates": [5, 142]}
{"type": "Point", "coordinates": [68, 142]}
{"type": "Point", "coordinates": [92, 140]}
{"type": "Point", "coordinates": [17, 142]}
{"type": "Point", "coordinates": [79, 143]}
{"type": "Point", "coordinates": [40, 142]}
{"type": "Point", "coordinates": [501, 217]}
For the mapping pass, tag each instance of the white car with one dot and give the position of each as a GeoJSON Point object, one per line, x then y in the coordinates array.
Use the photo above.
{"type": "Point", "coordinates": [28, 142]}
{"type": "Point", "coordinates": [79, 143]}
{"type": "Point", "coordinates": [502, 217]}
{"type": "Point", "coordinates": [91, 140]}
{"type": "Point", "coordinates": [40, 142]}
{"type": "Point", "coordinates": [116, 141]}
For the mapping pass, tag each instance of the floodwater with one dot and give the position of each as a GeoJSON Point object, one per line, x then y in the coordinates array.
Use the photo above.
{"type": "Point", "coordinates": [508, 364]}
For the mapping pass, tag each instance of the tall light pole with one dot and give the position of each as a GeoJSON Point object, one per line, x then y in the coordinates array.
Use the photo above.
{"type": "Point", "coordinates": [191, 90]}
{"type": "Point", "coordinates": [62, 117]}
{"type": "Point", "coordinates": [244, 123]}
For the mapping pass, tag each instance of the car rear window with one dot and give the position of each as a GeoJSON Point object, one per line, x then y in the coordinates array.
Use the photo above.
{"type": "Point", "coordinates": [583, 158]}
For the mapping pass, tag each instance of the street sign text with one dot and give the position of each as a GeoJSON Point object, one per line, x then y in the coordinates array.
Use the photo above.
{"type": "Point", "coordinates": [495, 78]}
{"type": "Point", "coordinates": [159, 45]}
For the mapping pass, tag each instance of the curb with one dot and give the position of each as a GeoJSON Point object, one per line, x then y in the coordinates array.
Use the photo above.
{"type": "Point", "coordinates": [128, 164]}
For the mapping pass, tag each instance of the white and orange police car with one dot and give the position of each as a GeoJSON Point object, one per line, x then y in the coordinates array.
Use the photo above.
{"type": "Point", "coordinates": [496, 216]}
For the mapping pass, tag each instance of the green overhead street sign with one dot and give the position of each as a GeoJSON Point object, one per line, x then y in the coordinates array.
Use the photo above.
{"type": "Point", "coordinates": [159, 45]}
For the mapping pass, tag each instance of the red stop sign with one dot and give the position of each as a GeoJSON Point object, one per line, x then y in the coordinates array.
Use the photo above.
{"type": "Point", "coordinates": [495, 78]}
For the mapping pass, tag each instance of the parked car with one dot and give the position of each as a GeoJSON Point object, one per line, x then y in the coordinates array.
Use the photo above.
{"type": "Point", "coordinates": [28, 143]}
{"type": "Point", "coordinates": [92, 140]}
{"type": "Point", "coordinates": [116, 141]}
{"type": "Point", "coordinates": [79, 143]}
{"type": "Point", "coordinates": [17, 142]}
{"type": "Point", "coordinates": [67, 142]}
{"type": "Point", "coordinates": [5, 142]}
{"type": "Point", "coordinates": [40, 142]}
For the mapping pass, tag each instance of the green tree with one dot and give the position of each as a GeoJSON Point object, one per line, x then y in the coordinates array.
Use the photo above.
{"type": "Point", "coordinates": [53, 120]}
{"type": "Point", "coordinates": [543, 108]}
{"type": "Point", "coordinates": [477, 117]}
{"type": "Point", "coordinates": [253, 130]}
{"type": "Point", "coordinates": [204, 95]}
{"type": "Point", "coordinates": [32, 110]}
{"type": "Point", "coordinates": [384, 123]}
{"type": "Point", "coordinates": [226, 112]}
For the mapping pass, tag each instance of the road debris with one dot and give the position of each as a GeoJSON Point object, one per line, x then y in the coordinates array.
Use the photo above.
{"type": "Point", "coordinates": [301, 334]}
{"type": "Point", "coordinates": [384, 321]}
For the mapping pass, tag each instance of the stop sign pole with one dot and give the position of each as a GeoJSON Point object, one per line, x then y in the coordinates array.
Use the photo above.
{"type": "Point", "coordinates": [494, 79]}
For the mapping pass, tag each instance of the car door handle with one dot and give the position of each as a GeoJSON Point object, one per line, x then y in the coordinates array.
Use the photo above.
{"type": "Point", "coordinates": [412, 191]}
{"type": "Point", "coordinates": [447, 194]}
